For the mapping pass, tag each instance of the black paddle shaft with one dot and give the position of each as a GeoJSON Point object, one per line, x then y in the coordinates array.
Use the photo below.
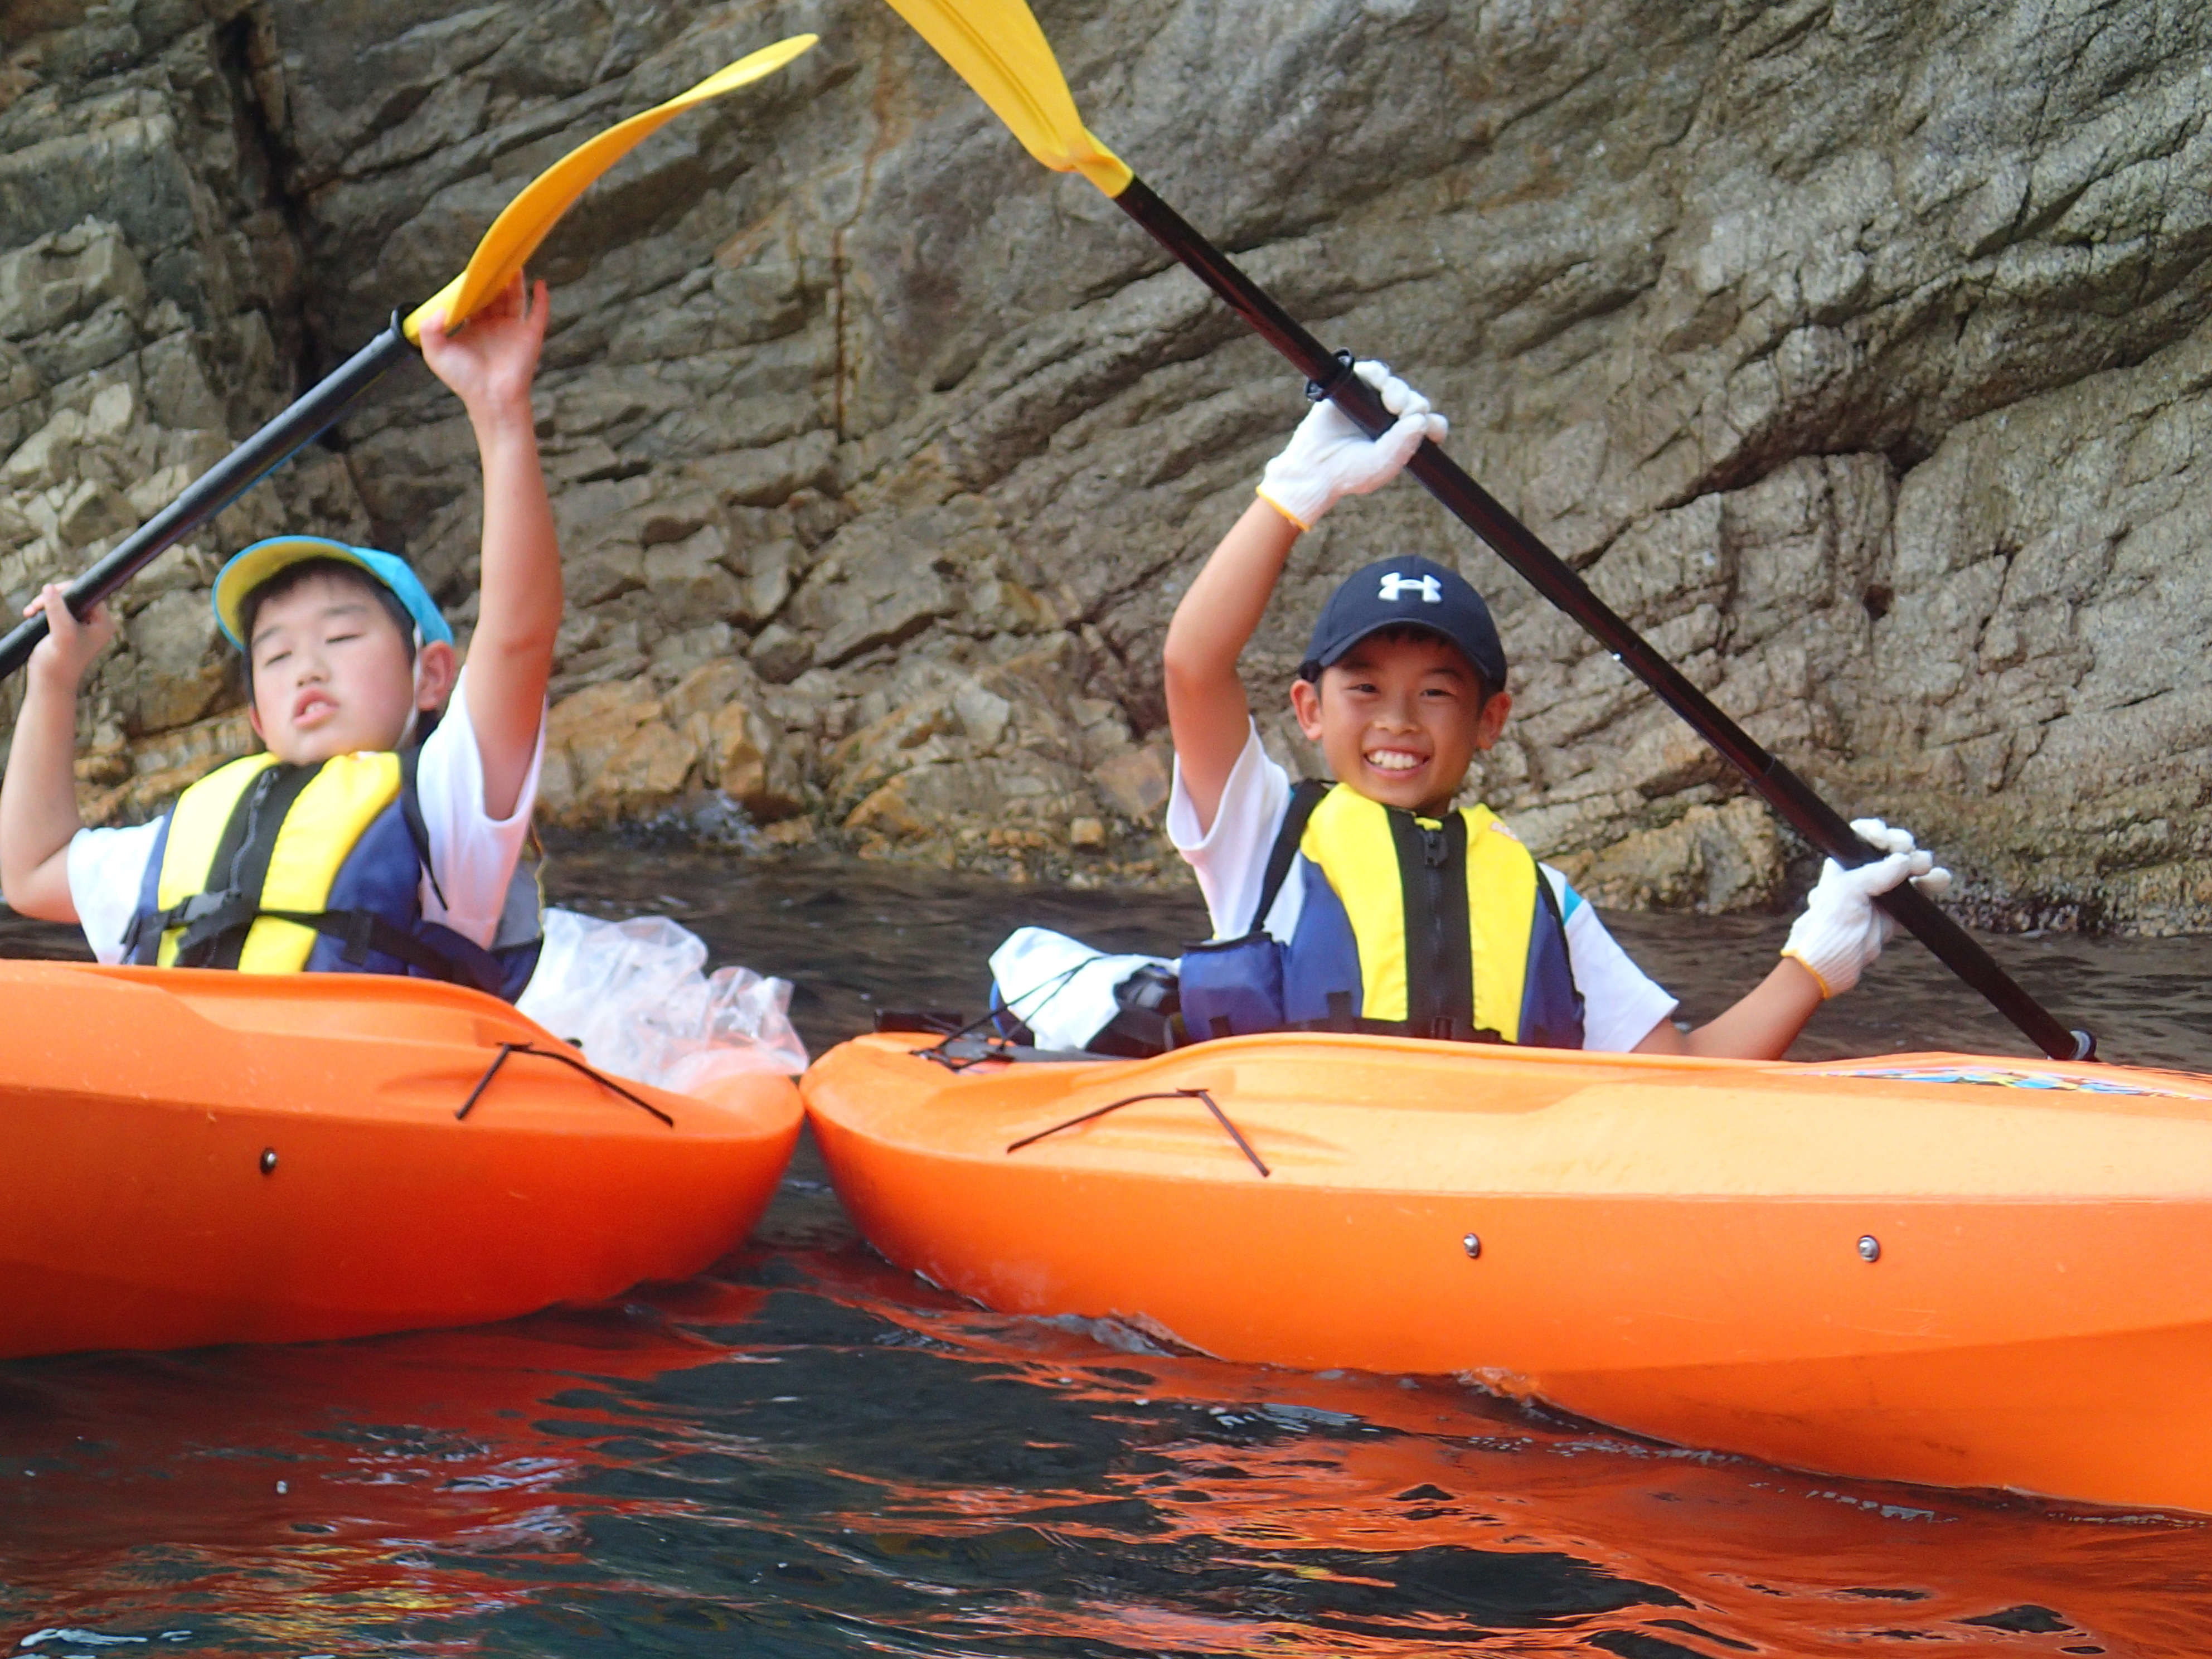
{"type": "Point", "coordinates": [1792, 799]}
{"type": "Point", "coordinates": [218, 487]}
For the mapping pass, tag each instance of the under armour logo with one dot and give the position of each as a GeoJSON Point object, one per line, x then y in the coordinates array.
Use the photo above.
{"type": "Point", "coordinates": [1431, 589]}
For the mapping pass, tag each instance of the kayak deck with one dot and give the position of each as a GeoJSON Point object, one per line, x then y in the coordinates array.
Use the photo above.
{"type": "Point", "coordinates": [197, 1156]}
{"type": "Point", "coordinates": [1937, 1268]}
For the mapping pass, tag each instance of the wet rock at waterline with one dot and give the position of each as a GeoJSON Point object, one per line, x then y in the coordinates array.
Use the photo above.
{"type": "Point", "coordinates": [1856, 352]}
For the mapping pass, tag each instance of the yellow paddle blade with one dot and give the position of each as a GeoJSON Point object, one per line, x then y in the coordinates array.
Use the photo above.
{"type": "Point", "coordinates": [997, 48]}
{"type": "Point", "coordinates": [515, 234]}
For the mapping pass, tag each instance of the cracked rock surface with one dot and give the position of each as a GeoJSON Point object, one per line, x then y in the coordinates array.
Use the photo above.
{"type": "Point", "coordinates": [1856, 352]}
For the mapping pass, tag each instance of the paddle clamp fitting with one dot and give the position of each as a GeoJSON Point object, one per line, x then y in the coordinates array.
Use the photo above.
{"type": "Point", "coordinates": [2085, 1045]}
{"type": "Point", "coordinates": [1320, 391]}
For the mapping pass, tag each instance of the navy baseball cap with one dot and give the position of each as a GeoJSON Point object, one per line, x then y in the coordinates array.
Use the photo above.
{"type": "Point", "coordinates": [1407, 592]}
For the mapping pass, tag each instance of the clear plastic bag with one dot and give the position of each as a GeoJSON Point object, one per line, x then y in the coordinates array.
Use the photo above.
{"type": "Point", "coordinates": [631, 995]}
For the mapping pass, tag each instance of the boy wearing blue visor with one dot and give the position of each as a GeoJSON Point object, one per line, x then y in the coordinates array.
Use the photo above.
{"type": "Point", "coordinates": [1375, 904]}
{"type": "Point", "coordinates": [371, 836]}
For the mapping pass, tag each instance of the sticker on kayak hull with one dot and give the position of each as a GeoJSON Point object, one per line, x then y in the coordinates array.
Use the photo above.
{"type": "Point", "coordinates": [1997, 1077]}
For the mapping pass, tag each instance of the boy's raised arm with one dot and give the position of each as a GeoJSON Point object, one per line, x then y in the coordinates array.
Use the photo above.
{"type": "Point", "coordinates": [490, 364]}
{"type": "Point", "coordinates": [38, 800]}
{"type": "Point", "coordinates": [1208, 714]}
{"type": "Point", "coordinates": [1328, 459]}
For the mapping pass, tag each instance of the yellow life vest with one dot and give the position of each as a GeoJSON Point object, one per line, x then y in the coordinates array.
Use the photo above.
{"type": "Point", "coordinates": [1407, 926]}
{"type": "Point", "coordinates": [320, 813]}
{"type": "Point", "coordinates": [271, 868]}
{"type": "Point", "coordinates": [1385, 872]}
{"type": "Point", "coordinates": [1440, 926]}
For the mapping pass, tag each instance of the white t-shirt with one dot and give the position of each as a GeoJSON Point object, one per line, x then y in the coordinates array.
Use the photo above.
{"type": "Point", "coordinates": [1621, 1004]}
{"type": "Point", "coordinates": [474, 854]}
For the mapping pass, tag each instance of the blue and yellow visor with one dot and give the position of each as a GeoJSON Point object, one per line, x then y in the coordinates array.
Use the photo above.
{"type": "Point", "coordinates": [252, 566]}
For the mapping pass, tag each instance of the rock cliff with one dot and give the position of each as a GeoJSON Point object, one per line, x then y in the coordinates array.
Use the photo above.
{"type": "Point", "coordinates": [1857, 351]}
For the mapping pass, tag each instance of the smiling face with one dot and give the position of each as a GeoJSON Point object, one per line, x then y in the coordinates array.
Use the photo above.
{"type": "Point", "coordinates": [1400, 717]}
{"type": "Point", "coordinates": [331, 673]}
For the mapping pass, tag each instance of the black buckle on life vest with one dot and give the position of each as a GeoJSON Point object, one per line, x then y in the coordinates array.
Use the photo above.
{"type": "Point", "coordinates": [207, 919]}
{"type": "Point", "coordinates": [361, 931]}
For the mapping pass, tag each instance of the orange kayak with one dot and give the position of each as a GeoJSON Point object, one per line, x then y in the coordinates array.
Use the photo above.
{"type": "Point", "coordinates": [1936, 1268]}
{"type": "Point", "coordinates": [196, 1157]}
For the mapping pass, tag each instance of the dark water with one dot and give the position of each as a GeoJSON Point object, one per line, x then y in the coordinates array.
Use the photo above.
{"type": "Point", "coordinates": [807, 1452]}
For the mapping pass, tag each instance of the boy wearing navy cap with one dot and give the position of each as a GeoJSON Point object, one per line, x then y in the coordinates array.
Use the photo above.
{"type": "Point", "coordinates": [1373, 905]}
{"type": "Point", "coordinates": [371, 836]}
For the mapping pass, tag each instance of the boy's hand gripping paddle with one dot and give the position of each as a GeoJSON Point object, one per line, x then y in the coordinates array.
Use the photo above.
{"type": "Point", "coordinates": [996, 47]}
{"type": "Point", "coordinates": [512, 237]}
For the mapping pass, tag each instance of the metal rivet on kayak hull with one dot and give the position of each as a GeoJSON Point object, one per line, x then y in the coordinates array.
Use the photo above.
{"type": "Point", "coordinates": [1869, 1248]}
{"type": "Point", "coordinates": [1473, 1245]}
{"type": "Point", "coordinates": [269, 1160]}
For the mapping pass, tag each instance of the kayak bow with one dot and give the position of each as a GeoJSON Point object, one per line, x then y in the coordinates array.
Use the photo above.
{"type": "Point", "coordinates": [1932, 1268]}
{"type": "Point", "coordinates": [214, 1157]}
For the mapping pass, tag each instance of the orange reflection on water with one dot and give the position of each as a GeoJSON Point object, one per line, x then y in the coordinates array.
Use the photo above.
{"type": "Point", "coordinates": [709, 1464]}
{"type": "Point", "coordinates": [1366, 1483]}
{"type": "Point", "coordinates": [305, 1494]}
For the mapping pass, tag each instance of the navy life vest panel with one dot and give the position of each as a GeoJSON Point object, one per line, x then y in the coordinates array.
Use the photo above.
{"type": "Point", "coordinates": [271, 868]}
{"type": "Point", "coordinates": [1409, 927]}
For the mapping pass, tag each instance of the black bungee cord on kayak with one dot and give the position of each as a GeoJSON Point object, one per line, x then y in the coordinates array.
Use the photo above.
{"type": "Point", "coordinates": [570, 1060]}
{"type": "Point", "coordinates": [1220, 1116]}
{"type": "Point", "coordinates": [997, 1046]}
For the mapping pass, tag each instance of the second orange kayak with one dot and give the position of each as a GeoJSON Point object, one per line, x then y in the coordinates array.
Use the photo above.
{"type": "Point", "coordinates": [1936, 1268]}
{"type": "Point", "coordinates": [194, 1157]}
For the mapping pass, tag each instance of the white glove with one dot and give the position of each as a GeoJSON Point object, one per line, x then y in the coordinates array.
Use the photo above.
{"type": "Point", "coordinates": [1328, 457]}
{"type": "Point", "coordinates": [1842, 930]}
